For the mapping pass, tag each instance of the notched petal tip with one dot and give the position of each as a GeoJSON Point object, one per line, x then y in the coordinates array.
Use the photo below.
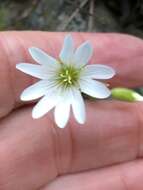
{"type": "Point", "coordinates": [61, 126]}
{"type": "Point", "coordinates": [32, 50]}
{"type": "Point", "coordinates": [62, 112]}
{"type": "Point", "coordinates": [112, 72]}
{"type": "Point", "coordinates": [88, 44]}
{"type": "Point", "coordinates": [67, 50]}
{"type": "Point", "coordinates": [83, 54]}
{"type": "Point", "coordinates": [81, 122]}
{"type": "Point", "coordinates": [23, 98]}
{"type": "Point", "coordinates": [99, 71]}
{"type": "Point", "coordinates": [41, 57]}
{"type": "Point", "coordinates": [95, 89]}
{"type": "Point", "coordinates": [107, 95]}
{"type": "Point", "coordinates": [35, 115]}
{"type": "Point", "coordinates": [18, 66]}
{"type": "Point", "coordinates": [68, 36]}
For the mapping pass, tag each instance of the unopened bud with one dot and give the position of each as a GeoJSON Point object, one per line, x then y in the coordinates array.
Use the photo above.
{"type": "Point", "coordinates": [126, 94]}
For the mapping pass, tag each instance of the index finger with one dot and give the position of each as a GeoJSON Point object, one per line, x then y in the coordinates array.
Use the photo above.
{"type": "Point", "coordinates": [124, 53]}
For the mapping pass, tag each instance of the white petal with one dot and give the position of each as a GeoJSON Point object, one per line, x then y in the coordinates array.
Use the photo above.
{"type": "Point", "coordinates": [35, 91]}
{"type": "Point", "coordinates": [62, 113]}
{"type": "Point", "coordinates": [94, 88]}
{"type": "Point", "coordinates": [78, 106]}
{"type": "Point", "coordinates": [98, 71]}
{"type": "Point", "coordinates": [42, 58]}
{"type": "Point", "coordinates": [45, 105]}
{"type": "Point", "coordinates": [34, 70]}
{"type": "Point", "coordinates": [83, 54]}
{"type": "Point", "coordinates": [67, 51]}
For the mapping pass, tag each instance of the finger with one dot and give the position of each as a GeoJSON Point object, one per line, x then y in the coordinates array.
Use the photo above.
{"type": "Point", "coordinates": [33, 152]}
{"type": "Point", "coordinates": [122, 52]}
{"type": "Point", "coordinates": [120, 177]}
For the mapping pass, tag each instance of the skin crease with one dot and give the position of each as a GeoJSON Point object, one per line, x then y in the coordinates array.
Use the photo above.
{"type": "Point", "coordinates": [105, 153]}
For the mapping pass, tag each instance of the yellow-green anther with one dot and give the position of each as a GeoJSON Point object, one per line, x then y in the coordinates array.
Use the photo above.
{"type": "Point", "coordinates": [126, 94]}
{"type": "Point", "coordinates": [69, 79]}
{"type": "Point", "coordinates": [62, 75]}
{"type": "Point", "coordinates": [67, 72]}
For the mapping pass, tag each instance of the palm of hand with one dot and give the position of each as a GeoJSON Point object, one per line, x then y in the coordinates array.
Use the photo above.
{"type": "Point", "coordinates": [104, 154]}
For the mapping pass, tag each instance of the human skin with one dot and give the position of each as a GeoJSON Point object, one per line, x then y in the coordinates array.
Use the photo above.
{"type": "Point", "coordinates": [104, 154]}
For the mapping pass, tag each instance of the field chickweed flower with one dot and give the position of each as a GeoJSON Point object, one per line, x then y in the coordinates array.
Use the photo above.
{"type": "Point", "coordinates": [63, 81]}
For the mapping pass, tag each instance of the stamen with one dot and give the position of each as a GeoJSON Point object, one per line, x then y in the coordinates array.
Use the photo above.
{"type": "Point", "coordinates": [68, 76]}
{"type": "Point", "coordinates": [67, 72]}
{"type": "Point", "coordinates": [62, 75]}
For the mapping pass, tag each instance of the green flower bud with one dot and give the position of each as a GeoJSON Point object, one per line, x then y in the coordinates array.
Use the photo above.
{"type": "Point", "coordinates": [126, 94]}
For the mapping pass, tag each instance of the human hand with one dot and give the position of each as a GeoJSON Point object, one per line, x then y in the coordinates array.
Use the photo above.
{"type": "Point", "coordinates": [105, 153]}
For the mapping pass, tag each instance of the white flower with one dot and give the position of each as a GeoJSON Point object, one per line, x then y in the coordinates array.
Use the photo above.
{"type": "Point", "coordinates": [63, 81]}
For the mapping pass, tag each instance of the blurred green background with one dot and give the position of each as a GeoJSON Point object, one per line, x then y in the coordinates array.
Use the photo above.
{"type": "Point", "coordinates": [123, 16]}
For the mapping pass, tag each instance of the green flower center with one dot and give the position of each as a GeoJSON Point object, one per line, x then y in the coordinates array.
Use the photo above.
{"type": "Point", "coordinates": [68, 76]}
